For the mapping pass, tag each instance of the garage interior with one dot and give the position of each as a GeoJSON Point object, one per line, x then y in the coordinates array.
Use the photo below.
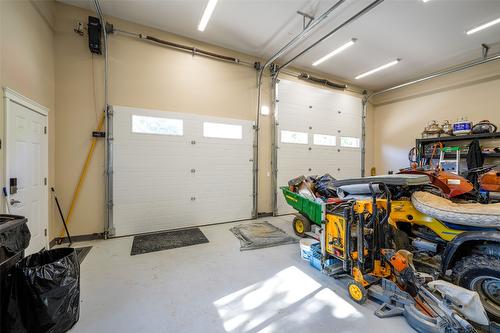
{"type": "Point", "coordinates": [250, 166]}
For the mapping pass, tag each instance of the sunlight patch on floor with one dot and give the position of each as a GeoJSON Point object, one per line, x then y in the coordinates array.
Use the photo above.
{"type": "Point", "coordinates": [290, 293]}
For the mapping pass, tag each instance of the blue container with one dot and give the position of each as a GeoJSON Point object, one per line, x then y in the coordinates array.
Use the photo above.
{"type": "Point", "coordinates": [315, 260]}
{"type": "Point", "coordinates": [316, 248]}
{"type": "Point", "coordinates": [331, 262]}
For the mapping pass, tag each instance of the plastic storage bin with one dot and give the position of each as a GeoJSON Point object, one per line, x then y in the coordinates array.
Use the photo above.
{"type": "Point", "coordinates": [315, 258]}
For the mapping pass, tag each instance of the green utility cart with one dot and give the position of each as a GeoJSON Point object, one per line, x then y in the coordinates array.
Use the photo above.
{"type": "Point", "coordinates": [309, 211]}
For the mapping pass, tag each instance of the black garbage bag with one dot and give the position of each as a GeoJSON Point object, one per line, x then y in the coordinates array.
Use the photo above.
{"type": "Point", "coordinates": [14, 234]}
{"type": "Point", "coordinates": [48, 290]}
{"type": "Point", "coordinates": [324, 186]}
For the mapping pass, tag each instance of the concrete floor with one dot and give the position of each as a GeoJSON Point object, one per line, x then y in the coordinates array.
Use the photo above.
{"type": "Point", "coordinates": [214, 287]}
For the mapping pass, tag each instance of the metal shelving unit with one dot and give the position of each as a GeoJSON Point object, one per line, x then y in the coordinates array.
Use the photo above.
{"type": "Point", "coordinates": [422, 143]}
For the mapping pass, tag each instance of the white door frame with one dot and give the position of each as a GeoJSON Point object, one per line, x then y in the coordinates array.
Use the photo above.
{"type": "Point", "coordinates": [13, 96]}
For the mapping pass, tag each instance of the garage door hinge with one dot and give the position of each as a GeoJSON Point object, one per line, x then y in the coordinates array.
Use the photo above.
{"type": "Point", "coordinates": [44, 129]}
{"type": "Point", "coordinates": [45, 181]}
{"type": "Point", "coordinates": [45, 232]}
{"type": "Point", "coordinates": [255, 127]}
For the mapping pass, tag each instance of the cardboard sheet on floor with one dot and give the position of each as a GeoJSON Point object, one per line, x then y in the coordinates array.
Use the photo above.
{"type": "Point", "coordinates": [258, 235]}
{"type": "Point", "coordinates": [167, 240]}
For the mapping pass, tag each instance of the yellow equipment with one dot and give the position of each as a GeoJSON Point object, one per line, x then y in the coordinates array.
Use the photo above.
{"type": "Point", "coordinates": [357, 227]}
{"type": "Point", "coordinates": [355, 246]}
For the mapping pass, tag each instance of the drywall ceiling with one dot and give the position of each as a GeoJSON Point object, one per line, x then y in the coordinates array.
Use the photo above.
{"type": "Point", "coordinates": [427, 36]}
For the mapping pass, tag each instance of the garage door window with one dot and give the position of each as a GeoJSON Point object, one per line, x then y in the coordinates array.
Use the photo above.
{"type": "Point", "coordinates": [156, 125]}
{"type": "Point", "coordinates": [294, 137]}
{"type": "Point", "coordinates": [222, 131]}
{"type": "Point", "coordinates": [350, 142]}
{"type": "Point", "coordinates": [324, 140]}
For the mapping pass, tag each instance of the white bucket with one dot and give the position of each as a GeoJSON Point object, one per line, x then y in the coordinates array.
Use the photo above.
{"type": "Point", "coordinates": [305, 247]}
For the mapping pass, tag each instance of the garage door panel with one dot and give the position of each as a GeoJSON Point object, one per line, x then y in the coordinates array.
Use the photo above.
{"type": "Point", "coordinates": [180, 179]}
{"type": "Point", "coordinates": [316, 111]}
{"type": "Point", "coordinates": [188, 213]}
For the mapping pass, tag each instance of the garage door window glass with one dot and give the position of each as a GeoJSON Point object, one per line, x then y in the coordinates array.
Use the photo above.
{"type": "Point", "coordinates": [294, 137]}
{"type": "Point", "coordinates": [350, 142]}
{"type": "Point", "coordinates": [156, 125]}
{"type": "Point", "coordinates": [324, 140]}
{"type": "Point", "coordinates": [222, 131]}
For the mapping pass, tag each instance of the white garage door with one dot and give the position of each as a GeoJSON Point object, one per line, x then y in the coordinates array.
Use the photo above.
{"type": "Point", "coordinates": [318, 132]}
{"type": "Point", "coordinates": [175, 170]}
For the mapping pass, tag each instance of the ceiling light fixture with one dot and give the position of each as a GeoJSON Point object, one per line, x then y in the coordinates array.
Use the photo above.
{"type": "Point", "coordinates": [392, 63]}
{"type": "Point", "coordinates": [426, 0]}
{"type": "Point", "coordinates": [484, 26]}
{"type": "Point", "coordinates": [334, 52]}
{"type": "Point", "coordinates": [209, 9]}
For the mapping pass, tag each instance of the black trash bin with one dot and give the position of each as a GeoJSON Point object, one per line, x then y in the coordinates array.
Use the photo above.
{"type": "Point", "coordinates": [48, 290]}
{"type": "Point", "coordinates": [14, 239]}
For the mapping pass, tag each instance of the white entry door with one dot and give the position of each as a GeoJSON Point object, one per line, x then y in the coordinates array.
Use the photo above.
{"type": "Point", "coordinates": [27, 165]}
{"type": "Point", "coordinates": [176, 170]}
{"type": "Point", "coordinates": [318, 132]}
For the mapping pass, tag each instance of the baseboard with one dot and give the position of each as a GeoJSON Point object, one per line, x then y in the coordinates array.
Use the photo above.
{"type": "Point", "coordinates": [77, 238]}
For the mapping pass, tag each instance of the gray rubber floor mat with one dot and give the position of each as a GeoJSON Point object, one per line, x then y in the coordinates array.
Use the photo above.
{"type": "Point", "coordinates": [82, 252]}
{"type": "Point", "coordinates": [258, 235]}
{"type": "Point", "coordinates": [167, 240]}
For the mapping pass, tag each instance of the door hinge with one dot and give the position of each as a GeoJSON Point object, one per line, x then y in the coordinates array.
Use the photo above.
{"type": "Point", "coordinates": [44, 129]}
{"type": "Point", "coordinates": [45, 181]}
{"type": "Point", "coordinates": [45, 232]}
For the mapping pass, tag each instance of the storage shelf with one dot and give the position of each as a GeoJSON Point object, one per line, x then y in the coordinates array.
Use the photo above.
{"type": "Point", "coordinates": [459, 138]}
{"type": "Point", "coordinates": [422, 143]}
{"type": "Point", "coordinates": [464, 155]}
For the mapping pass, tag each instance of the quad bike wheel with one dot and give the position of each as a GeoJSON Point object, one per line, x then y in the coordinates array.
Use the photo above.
{"type": "Point", "coordinates": [301, 225]}
{"type": "Point", "coordinates": [481, 273]}
{"type": "Point", "coordinates": [357, 292]}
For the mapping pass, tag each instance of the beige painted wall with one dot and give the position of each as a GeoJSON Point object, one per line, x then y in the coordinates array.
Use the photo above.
{"type": "Point", "coordinates": [401, 115]}
{"type": "Point", "coordinates": [141, 75]}
{"type": "Point", "coordinates": [27, 65]}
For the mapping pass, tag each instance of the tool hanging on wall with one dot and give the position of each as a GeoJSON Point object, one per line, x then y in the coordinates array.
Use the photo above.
{"type": "Point", "coordinates": [62, 218]}
{"type": "Point", "coordinates": [83, 173]}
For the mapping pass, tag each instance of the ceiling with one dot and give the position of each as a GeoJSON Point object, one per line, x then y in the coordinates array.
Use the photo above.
{"type": "Point", "coordinates": [427, 36]}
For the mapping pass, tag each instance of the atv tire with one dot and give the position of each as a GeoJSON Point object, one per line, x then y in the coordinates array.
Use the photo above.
{"type": "Point", "coordinates": [481, 273]}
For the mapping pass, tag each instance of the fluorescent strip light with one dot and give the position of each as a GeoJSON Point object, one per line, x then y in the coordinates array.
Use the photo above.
{"type": "Point", "coordinates": [209, 9]}
{"type": "Point", "coordinates": [392, 63]}
{"type": "Point", "coordinates": [426, 0]}
{"type": "Point", "coordinates": [334, 52]}
{"type": "Point", "coordinates": [482, 27]}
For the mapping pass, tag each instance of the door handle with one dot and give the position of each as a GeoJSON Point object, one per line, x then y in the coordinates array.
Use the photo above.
{"type": "Point", "coordinates": [13, 202]}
